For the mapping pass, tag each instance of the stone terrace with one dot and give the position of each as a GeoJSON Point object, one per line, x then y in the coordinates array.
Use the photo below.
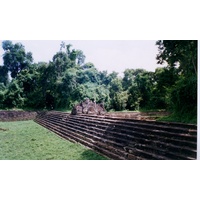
{"type": "Point", "coordinates": [120, 138]}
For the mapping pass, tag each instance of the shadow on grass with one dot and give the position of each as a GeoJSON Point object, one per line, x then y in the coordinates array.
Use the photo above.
{"type": "Point", "coordinates": [91, 155]}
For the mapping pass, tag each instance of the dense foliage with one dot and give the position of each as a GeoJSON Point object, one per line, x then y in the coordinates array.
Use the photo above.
{"type": "Point", "coordinates": [181, 57]}
{"type": "Point", "coordinates": [67, 79]}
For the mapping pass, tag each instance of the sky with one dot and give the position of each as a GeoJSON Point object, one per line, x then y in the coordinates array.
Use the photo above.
{"type": "Point", "coordinates": [110, 55]}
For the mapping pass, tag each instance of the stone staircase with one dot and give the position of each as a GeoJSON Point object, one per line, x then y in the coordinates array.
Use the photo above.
{"type": "Point", "coordinates": [118, 138]}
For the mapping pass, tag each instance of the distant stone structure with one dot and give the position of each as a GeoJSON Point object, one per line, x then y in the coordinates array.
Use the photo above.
{"type": "Point", "coordinates": [88, 107]}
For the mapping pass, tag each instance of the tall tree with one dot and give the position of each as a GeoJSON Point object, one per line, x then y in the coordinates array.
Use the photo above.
{"type": "Point", "coordinates": [181, 54]}
{"type": "Point", "coordinates": [15, 58]}
{"type": "Point", "coordinates": [118, 97]}
{"type": "Point", "coordinates": [61, 63]}
{"type": "Point", "coordinates": [73, 55]}
{"type": "Point", "coordinates": [164, 79]}
{"type": "Point", "coordinates": [138, 83]}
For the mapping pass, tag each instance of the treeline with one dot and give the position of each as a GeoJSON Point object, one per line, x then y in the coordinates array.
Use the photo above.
{"type": "Point", "coordinates": [67, 79]}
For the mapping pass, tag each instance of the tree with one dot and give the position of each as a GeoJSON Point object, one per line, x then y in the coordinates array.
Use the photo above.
{"type": "Point", "coordinates": [4, 75]}
{"type": "Point", "coordinates": [66, 88]}
{"type": "Point", "coordinates": [61, 63]}
{"type": "Point", "coordinates": [118, 97]}
{"type": "Point", "coordinates": [138, 83]}
{"type": "Point", "coordinates": [88, 74]}
{"type": "Point", "coordinates": [15, 58]}
{"type": "Point", "coordinates": [14, 95]}
{"type": "Point", "coordinates": [164, 79]}
{"type": "Point", "coordinates": [80, 57]}
{"type": "Point", "coordinates": [74, 55]}
{"type": "Point", "coordinates": [181, 54]}
{"type": "Point", "coordinates": [87, 66]}
{"type": "Point", "coordinates": [2, 94]}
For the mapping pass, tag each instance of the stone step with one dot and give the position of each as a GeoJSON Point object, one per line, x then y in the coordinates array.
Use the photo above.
{"type": "Point", "coordinates": [168, 124]}
{"type": "Point", "coordinates": [156, 131]}
{"type": "Point", "coordinates": [124, 138]}
{"type": "Point", "coordinates": [75, 137]}
{"type": "Point", "coordinates": [179, 127]}
{"type": "Point", "coordinates": [159, 145]}
{"type": "Point", "coordinates": [158, 149]}
{"type": "Point", "coordinates": [98, 130]}
{"type": "Point", "coordinates": [145, 132]}
{"type": "Point", "coordinates": [191, 129]}
{"type": "Point", "coordinates": [108, 152]}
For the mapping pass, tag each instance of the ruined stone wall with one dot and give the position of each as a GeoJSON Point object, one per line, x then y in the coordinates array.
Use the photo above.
{"type": "Point", "coordinates": [17, 115]}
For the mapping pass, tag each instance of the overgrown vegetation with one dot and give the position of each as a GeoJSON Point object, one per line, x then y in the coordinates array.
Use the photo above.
{"type": "Point", "coordinates": [178, 117]}
{"type": "Point", "coordinates": [26, 140]}
{"type": "Point", "coordinates": [67, 79]}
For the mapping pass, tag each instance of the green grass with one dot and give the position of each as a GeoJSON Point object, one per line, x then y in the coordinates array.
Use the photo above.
{"type": "Point", "coordinates": [26, 140]}
{"type": "Point", "coordinates": [63, 110]}
{"type": "Point", "coordinates": [152, 110]}
{"type": "Point", "coordinates": [189, 119]}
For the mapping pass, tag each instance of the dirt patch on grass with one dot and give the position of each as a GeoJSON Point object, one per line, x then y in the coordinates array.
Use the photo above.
{"type": "Point", "coordinates": [3, 129]}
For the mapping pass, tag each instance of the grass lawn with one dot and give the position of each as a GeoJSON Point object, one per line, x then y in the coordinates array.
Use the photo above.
{"type": "Point", "coordinates": [26, 140]}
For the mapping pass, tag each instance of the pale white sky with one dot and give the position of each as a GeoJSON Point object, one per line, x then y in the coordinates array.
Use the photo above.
{"type": "Point", "coordinates": [110, 55]}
